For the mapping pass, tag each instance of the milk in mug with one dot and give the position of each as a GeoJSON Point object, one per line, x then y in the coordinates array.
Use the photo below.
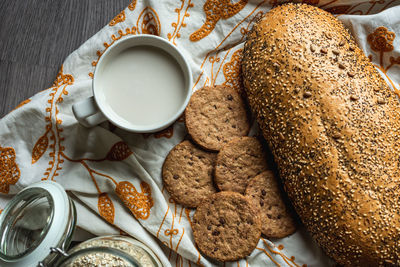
{"type": "Point", "coordinates": [143, 85]}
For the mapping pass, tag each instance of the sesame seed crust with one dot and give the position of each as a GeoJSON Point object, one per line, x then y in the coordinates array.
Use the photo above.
{"type": "Point", "coordinates": [340, 158]}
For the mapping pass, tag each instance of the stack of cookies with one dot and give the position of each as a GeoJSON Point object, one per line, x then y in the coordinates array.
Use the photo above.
{"type": "Point", "coordinates": [225, 175]}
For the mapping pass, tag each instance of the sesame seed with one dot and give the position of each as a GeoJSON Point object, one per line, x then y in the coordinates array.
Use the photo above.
{"type": "Point", "coordinates": [328, 35]}
{"type": "Point", "coordinates": [381, 101]}
{"type": "Point", "coordinates": [354, 98]}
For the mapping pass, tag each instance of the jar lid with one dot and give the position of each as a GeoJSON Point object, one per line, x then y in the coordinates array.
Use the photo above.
{"type": "Point", "coordinates": [33, 222]}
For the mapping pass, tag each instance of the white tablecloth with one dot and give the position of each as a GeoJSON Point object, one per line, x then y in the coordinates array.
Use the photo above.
{"type": "Point", "coordinates": [113, 176]}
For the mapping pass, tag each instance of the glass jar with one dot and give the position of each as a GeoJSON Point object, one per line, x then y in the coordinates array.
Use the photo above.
{"type": "Point", "coordinates": [37, 222]}
{"type": "Point", "coordinates": [36, 228]}
{"type": "Point", "coordinates": [111, 250]}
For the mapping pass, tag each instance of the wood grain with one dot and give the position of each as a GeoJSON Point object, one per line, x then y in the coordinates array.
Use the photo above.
{"type": "Point", "coordinates": [37, 35]}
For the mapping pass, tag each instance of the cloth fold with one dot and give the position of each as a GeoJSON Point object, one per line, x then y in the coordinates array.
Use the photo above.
{"type": "Point", "coordinates": [114, 176]}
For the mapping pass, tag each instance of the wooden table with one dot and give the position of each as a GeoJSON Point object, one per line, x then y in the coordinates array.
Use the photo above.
{"type": "Point", "coordinates": [37, 35]}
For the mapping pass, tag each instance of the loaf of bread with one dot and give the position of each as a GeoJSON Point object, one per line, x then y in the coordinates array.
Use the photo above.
{"type": "Point", "coordinates": [333, 125]}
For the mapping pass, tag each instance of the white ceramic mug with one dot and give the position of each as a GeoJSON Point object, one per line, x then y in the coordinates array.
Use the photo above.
{"type": "Point", "coordinates": [147, 62]}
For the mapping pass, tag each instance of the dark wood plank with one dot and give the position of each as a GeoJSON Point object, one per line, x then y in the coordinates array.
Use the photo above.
{"type": "Point", "coordinates": [37, 35]}
{"type": "Point", "coordinates": [19, 81]}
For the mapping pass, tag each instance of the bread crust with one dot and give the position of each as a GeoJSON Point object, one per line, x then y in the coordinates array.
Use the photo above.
{"type": "Point", "coordinates": [333, 125]}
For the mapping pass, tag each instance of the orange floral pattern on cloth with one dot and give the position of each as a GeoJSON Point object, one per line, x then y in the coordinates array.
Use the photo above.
{"type": "Point", "coordinates": [118, 18]}
{"type": "Point", "coordinates": [381, 40]}
{"type": "Point", "coordinates": [180, 23]}
{"type": "Point", "coordinates": [216, 10]}
{"type": "Point", "coordinates": [119, 152]}
{"type": "Point", "coordinates": [40, 147]}
{"type": "Point", "coordinates": [9, 171]}
{"type": "Point", "coordinates": [215, 55]}
{"type": "Point", "coordinates": [290, 261]}
{"type": "Point", "coordinates": [342, 9]}
{"type": "Point", "coordinates": [171, 230]}
{"type": "Point", "coordinates": [167, 133]}
{"type": "Point", "coordinates": [51, 138]}
{"type": "Point", "coordinates": [138, 203]}
{"type": "Point", "coordinates": [132, 5]}
{"type": "Point", "coordinates": [148, 22]}
{"type": "Point", "coordinates": [233, 71]}
{"type": "Point", "coordinates": [106, 207]}
{"type": "Point", "coordinates": [359, 8]}
{"type": "Point", "coordinates": [310, 2]}
{"type": "Point", "coordinates": [63, 79]}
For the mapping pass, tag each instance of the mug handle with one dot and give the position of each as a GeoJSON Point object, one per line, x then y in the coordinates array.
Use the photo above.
{"type": "Point", "coordinates": [88, 113]}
